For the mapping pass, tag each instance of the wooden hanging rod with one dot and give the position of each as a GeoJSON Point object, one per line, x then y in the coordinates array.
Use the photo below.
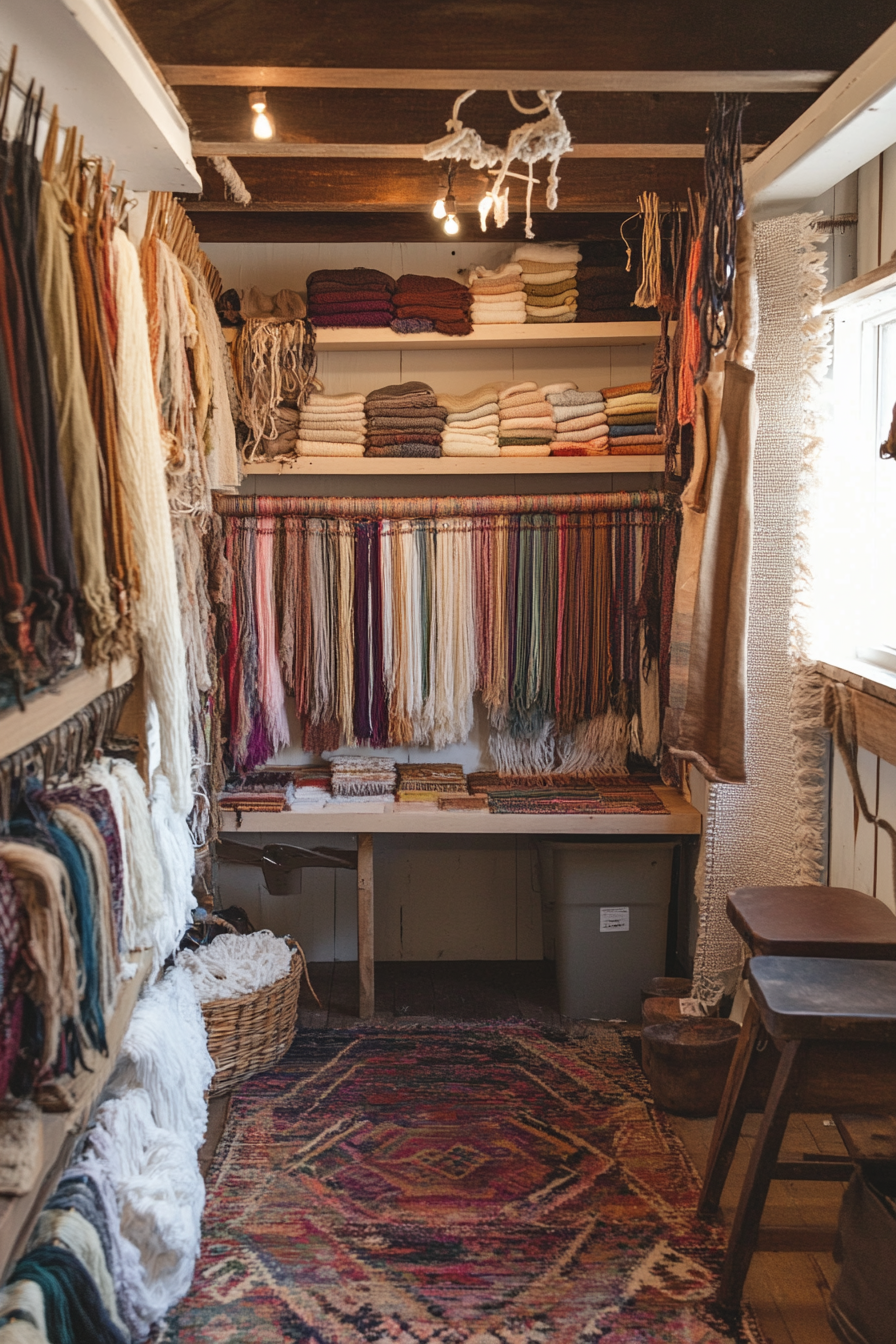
{"type": "Point", "coordinates": [256, 149]}
{"type": "Point", "coordinates": [570, 81]}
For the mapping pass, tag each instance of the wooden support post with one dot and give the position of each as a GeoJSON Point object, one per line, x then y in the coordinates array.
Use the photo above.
{"type": "Point", "coordinates": [365, 926]}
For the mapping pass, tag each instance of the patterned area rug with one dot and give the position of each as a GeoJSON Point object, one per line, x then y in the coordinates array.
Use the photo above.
{"type": "Point", "coordinates": [494, 1184]}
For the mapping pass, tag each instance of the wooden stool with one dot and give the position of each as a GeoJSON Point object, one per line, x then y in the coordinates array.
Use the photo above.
{"type": "Point", "coordinates": [813, 922]}
{"type": "Point", "coordinates": [787, 921]}
{"type": "Point", "coordinates": [833, 1022]}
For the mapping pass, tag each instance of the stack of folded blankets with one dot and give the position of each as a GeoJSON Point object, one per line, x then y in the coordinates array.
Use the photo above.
{"type": "Point", "coordinates": [332, 426]}
{"type": "Point", "coordinates": [499, 296]}
{"type": "Point", "coordinates": [430, 298]}
{"type": "Point", "coordinates": [580, 424]}
{"type": "Point", "coordinates": [358, 297]}
{"type": "Point", "coordinates": [549, 276]}
{"type": "Point", "coordinates": [526, 417]}
{"type": "Point", "coordinates": [311, 788]}
{"type": "Point", "coordinates": [606, 288]}
{"type": "Point", "coordinates": [471, 424]}
{"type": "Point", "coordinates": [362, 777]}
{"type": "Point", "coordinates": [427, 783]}
{"type": "Point", "coordinates": [631, 415]}
{"type": "Point", "coordinates": [403, 420]}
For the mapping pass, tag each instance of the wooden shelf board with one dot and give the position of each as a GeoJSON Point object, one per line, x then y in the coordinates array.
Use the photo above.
{"type": "Point", "coordinates": [60, 1129]}
{"type": "Point", "coordinates": [456, 466]}
{"type": "Point", "coordinates": [46, 709]}
{"type": "Point", "coordinates": [408, 819]}
{"type": "Point", "coordinates": [491, 337]}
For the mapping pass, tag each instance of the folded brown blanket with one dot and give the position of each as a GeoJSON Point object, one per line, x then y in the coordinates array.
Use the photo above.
{"type": "Point", "coordinates": [636, 446]}
{"type": "Point", "coordinates": [316, 310]}
{"type": "Point", "coordinates": [449, 321]}
{"type": "Point", "coordinates": [330, 300]}
{"type": "Point", "coordinates": [614, 314]}
{"type": "Point", "coordinates": [409, 389]}
{"type": "Point", "coordinates": [379, 319]}
{"type": "Point", "coordinates": [552, 300]}
{"type": "Point", "coordinates": [561, 287]}
{"type": "Point", "coordinates": [626, 389]}
{"type": "Point", "coordinates": [379, 440]}
{"type": "Point", "coordinates": [404, 405]}
{"type": "Point", "coordinates": [398, 411]}
{"type": "Point", "coordinates": [618, 272]}
{"type": "Point", "coordinates": [417, 449]}
{"type": "Point", "coordinates": [428, 284]}
{"type": "Point", "coordinates": [377, 424]}
{"type": "Point", "coordinates": [436, 304]}
{"type": "Point", "coordinates": [359, 276]}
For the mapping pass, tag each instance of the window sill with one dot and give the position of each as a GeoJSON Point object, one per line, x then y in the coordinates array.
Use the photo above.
{"type": "Point", "coordinates": [861, 676]}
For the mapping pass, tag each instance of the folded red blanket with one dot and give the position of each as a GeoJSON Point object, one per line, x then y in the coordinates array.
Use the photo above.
{"type": "Point", "coordinates": [452, 314]}
{"type": "Point", "coordinates": [354, 320]}
{"type": "Point", "coordinates": [350, 306]}
{"type": "Point", "coordinates": [431, 303]}
{"type": "Point", "coordinates": [332, 300]}
{"type": "Point", "coordinates": [332, 288]}
{"type": "Point", "coordinates": [359, 276]}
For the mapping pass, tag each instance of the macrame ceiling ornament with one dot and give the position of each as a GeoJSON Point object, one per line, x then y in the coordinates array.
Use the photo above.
{"type": "Point", "coordinates": [547, 139]}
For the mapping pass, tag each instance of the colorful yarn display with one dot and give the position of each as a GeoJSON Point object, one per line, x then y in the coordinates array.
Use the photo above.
{"type": "Point", "coordinates": [387, 616]}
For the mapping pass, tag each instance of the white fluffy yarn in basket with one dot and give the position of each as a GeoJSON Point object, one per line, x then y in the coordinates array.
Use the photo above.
{"type": "Point", "coordinates": [236, 964]}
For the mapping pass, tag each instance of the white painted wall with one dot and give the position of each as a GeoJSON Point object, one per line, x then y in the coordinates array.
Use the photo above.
{"type": "Point", "coordinates": [435, 898]}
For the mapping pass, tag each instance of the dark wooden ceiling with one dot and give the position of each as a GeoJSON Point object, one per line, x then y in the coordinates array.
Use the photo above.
{"type": "Point", "coordinates": [327, 198]}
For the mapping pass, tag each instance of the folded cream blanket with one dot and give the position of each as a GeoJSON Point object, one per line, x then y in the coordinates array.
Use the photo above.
{"type": "Point", "coordinates": [638, 401]}
{"type": "Point", "coordinates": [522, 398]}
{"type": "Point", "coordinates": [482, 422]}
{"type": "Point", "coordinates": [512, 390]}
{"type": "Point", "coordinates": [509, 271]}
{"type": "Point", "coordinates": [461, 417]}
{"type": "Point", "coordinates": [546, 252]}
{"type": "Point", "coordinates": [562, 413]}
{"type": "Point", "coordinates": [331, 435]}
{"type": "Point", "coordinates": [471, 448]}
{"type": "Point", "coordinates": [499, 319]}
{"type": "Point", "coordinates": [527, 422]}
{"type": "Point", "coordinates": [490, 312]}
{"type": "Point", "coordinates": [497, 289]}
{"type": "Point", "coordinates": [468, 438]}
{"type": "Point", "coordinates": [582, 422]}
{"type": "Point", "coordinates": [457, 404]}
{"type": "Point", "coordinates": [532, 278]}
{"type": "Point", "coordinates": [306, 448]}
{"type": "Point", "coordinates": [342, 402]}
{"type": "Point", "coordinates": [571, 396]}
{"type": "Point", "coordinates": [351, 422]}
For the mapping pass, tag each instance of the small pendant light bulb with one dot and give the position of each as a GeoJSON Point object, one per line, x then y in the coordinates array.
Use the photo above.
{"type": "Point", "coordinates": [438, 210]}
{"type": "Point", "coordinates": [452, 225]}
{"type": "Point", "coordinates": [261, 126]}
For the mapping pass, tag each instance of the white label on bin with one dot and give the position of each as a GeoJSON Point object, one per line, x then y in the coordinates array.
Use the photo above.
{"type": "Point", "coordinates": [614, 919]}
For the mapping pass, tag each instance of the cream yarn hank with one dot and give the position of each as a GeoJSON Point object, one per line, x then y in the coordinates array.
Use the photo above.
{"type": "Point", "coordinates": [236, 964]}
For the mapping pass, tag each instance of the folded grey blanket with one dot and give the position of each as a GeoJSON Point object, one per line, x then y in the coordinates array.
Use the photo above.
{"type": "Point", "coordinates": [393, 390]}
{"type": "Point", "coordinates": [573, 398]}
{"type": "Point", "coordinates": [422, 425]}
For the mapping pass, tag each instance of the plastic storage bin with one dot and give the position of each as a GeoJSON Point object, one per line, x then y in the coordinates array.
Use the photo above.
{"type": "Point", "coordinates": [610, 910]}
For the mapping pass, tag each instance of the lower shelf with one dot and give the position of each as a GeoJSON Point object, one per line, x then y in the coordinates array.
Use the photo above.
{"type": "Point", "coordinates": [18, 1213]}
{"type": "Point", "coordinates": [457, 466]}
{"type": "Point", "coordinates": [407, 819]}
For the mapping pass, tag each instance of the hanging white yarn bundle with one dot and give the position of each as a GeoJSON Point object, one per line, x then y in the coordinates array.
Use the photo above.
{"type": "Point", "coordinates": [220, 432]}
{"type": "Point", "coordinates": [174, 846]}
{"type": "Point", "coordinates": [143, 478]}
{"type": "Point", "coordinates": [147, 910]}
{"type": "Point", "coordinates": [165, 1052]}
{"type": "Point", "coordinates": [453, 633]}
{"type": "Point", "coordinates": [236, 964]}
{"type": "Point", "coordinates": [235, 187]}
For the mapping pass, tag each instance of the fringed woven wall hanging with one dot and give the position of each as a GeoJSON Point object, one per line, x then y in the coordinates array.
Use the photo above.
{"type": "Point", "coordinates": [546, 140]}
{"type": "Point", "coordinates": [385, 616]}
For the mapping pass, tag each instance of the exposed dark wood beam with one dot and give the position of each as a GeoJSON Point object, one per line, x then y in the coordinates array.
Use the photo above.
{"type": "Point", "coordinates": [228, 225]}
{"type": "Point", "coordinates": [259, 149]}
{"type": "Point", "coordinates": [582, 81]}
{"type": "Point", "coordinates": [338, 185]}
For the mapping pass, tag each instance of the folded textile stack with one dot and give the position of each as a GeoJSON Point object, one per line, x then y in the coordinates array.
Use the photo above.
{"type": "Point", "coordinates": [606, 288]}
{"type": "Point", "coordinates": [403, 420]}
{"type": "Point", "coordinates": [358, 297]}
{"type": "Point", "coordinates": [631, 415]}
{"type": "Point", "coordinates": [310, 789]}
{"type": "Point", "coordinates": [363, 776]}
{"type": "Point", "coordinates": [471, 423]}
{"type": "Point", "coordinates": [549, 276]}
{"type": "Point", "coordinates": [498, 296]}
{"type": "Point", "coordinates": [580, 424]}
{"type": "Point", "coordinates": [527, 419]}
{"type": "Point", "coordinates": [332, 426]}
{"type": "Point", "coordinates": [443, 302]}
{"type": "Point", "coordinates": [285, 426]}
{"type": "Point", "coordinates": [427, 783]}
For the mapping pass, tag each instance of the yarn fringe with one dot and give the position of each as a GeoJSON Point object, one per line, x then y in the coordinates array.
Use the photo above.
{"type": "Point", "coordinates": [600, 744]}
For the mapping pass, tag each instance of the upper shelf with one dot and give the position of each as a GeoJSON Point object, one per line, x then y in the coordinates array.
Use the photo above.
{"type": "Point", "coordinates": [46, 709]}
{"type": "Point", "coordinates": [455, 466]}
{"type": "Point", "coordinates": [503, 337]}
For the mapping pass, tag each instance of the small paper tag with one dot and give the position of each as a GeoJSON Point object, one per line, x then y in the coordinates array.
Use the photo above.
{"type": "Point", "coordinates": [614, 919]}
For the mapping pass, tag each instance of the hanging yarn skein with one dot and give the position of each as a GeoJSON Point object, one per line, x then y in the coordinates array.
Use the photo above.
{"type": "Point", "coordinates": [548, 139]}
{"type": "Point", "coordinates": [648, 295]}
{"type": "Point", "coordinates": [724, 206]}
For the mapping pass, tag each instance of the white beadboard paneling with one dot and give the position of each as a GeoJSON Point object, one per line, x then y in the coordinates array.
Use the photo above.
{"type": "Point", "coordinates": [343, 371]}
{"type": "Point", "coordinates": [867, 243]}
{"type": "Point", "coordinates": [886, 804]}
{"type": "Point", "coordinates": [442, 900]}
{"type": "Point", "coordinates": [460, 370]}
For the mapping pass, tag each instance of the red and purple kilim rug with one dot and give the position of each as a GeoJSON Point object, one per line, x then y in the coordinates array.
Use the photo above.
{"type": "Point", "coordinates": [494, 1184]}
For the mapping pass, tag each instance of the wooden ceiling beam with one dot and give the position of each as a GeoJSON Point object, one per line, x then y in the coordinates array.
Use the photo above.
{"type": "Point", "coordinates": [224, 225]}
{"type": "Point", "coordinates": [587, 81]}
{"type": "Point", "coordinates": [258, 149]}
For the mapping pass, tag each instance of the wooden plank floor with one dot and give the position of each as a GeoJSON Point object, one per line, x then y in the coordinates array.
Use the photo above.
{"type": "Point", "coordinates": [787, 1290]}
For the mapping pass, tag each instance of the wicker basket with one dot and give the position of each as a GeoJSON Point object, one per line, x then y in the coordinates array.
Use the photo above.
{"type": "Point", "coordinates": [251, 1033]}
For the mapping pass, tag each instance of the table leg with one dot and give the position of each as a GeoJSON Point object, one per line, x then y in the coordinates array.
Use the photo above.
{"type": "Point", "coordinates": [730, 1118]}
{"type": "Point", "coordinates": [760, 1173]}
{"type": "Point", "coordinates": [365, 926]}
